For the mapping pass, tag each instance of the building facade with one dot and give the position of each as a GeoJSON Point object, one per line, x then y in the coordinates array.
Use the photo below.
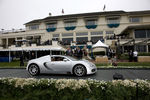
{"type": "Point", "coordinates": [126, 30]}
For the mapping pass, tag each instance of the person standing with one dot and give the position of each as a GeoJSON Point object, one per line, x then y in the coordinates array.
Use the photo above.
{"type": "Point", "coordinates": [135, 55]}
{"type": "Point", "coordinates": [69, 52]}
{"type": "Point", "coordinates": [130, 56]}
{"type": "Point", "coordinates": [79, 53]}
{"type": "Point", "coordinates": [21, 60]}
{"type": "Point", "coordinates": [32, 55]}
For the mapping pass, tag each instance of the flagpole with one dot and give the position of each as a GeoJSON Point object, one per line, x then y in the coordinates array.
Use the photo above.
{"type": "Point", "coordinates": [62, 11]}
{"type": "Point", "coordinates": [104, 7]}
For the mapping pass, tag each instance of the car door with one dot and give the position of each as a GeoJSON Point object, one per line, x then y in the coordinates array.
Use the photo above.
{"type": "Point", "coordinates": [59, 65]}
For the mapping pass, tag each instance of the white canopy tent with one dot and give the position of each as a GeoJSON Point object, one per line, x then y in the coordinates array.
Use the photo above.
{"type": "Point", "coordinates": [100, 44]}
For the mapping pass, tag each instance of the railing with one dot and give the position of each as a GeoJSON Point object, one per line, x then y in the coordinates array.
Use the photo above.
{"type": "Point", "coordinates": [12, 31]}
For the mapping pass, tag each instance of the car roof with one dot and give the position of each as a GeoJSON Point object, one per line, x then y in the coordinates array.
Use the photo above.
{"type": "Point", "coordinates": [57, 56]}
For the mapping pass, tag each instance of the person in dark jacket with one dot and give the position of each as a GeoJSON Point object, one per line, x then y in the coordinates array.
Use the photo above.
{"type": "Point", "coordinates": [130, 56]}
{"type": "Point", "coordinates": [79, 53]}
{"type": "Point", "coordinates": [21, 61]}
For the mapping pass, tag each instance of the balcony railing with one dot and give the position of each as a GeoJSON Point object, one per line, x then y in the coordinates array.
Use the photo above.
{"type": "Point", "coordinates": [70, 28]}
{"type": "Point", "coordinates": [91, 26]}
{"type": "Point", "coordinates": [113, 25]}
{"type": "Point", "coordinates": [51, 29]}
{"type": "Point", "coordinates": [11, 31]}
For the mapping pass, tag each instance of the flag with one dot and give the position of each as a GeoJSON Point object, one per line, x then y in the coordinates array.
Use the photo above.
{"type": "Point", "coordinates": [104, 7]}
{"type": "Point", "coordinates": [62, 11]}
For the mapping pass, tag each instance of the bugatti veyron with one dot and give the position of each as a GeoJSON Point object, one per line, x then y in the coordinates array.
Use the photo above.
{"type": "Point", "coordinates": [58, 64]}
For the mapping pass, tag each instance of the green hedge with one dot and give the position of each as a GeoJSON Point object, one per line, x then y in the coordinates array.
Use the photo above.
{"type": "Point", "coordinates": [144, 54]}
{"type": "Point", "coordinates": [70, 89]}
{"type": "Point", "coordinates": [125, 56]}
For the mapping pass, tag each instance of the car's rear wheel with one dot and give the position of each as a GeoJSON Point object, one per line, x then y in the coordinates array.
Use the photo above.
{"type": "Point", "coordinates": [79, 70]}
{"type": "Point", "coordinates": [33, 69]}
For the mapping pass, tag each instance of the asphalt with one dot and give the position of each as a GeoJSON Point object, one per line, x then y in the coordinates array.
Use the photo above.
{"type": "Point", "coordinates": [102, 74]}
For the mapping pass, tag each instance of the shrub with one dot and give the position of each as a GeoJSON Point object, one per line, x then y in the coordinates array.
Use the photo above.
{"type": "Point", "coordinates": [143, 54]}
{"type": "Point", "coordinates": [70, 89]}
{"type": "Point", "coordinates": [124, 56]}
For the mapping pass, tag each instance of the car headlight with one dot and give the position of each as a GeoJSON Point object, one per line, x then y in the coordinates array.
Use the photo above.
{"type": "Point", "coordinates": [92, 65]}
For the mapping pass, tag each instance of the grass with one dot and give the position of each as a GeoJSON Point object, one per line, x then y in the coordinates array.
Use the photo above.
{"type": "Point", "coordinates": [125, 65]}
{"type": "Point", "coordinates": [13, 64]}
{"type": "Point", "coordinates": [16, 64]}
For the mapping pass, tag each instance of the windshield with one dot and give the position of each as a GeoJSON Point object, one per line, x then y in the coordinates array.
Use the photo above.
{"type": "Point", "coordinates": [72, 58]}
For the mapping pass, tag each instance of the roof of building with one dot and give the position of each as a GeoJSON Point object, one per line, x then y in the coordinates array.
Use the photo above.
{"type": "Point", "coordinates": [86, 15]}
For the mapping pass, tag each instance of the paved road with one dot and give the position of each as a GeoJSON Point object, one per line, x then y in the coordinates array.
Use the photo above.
{"type": "Point", "coordinates": [102, 74]}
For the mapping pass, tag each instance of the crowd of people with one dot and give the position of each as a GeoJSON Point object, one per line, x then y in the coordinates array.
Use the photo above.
{"type": "Point", "coordinates": [77, 52]}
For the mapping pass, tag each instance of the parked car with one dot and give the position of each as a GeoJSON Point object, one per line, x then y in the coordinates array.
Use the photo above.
{"type": "Point", "coordinates": [58, 64]}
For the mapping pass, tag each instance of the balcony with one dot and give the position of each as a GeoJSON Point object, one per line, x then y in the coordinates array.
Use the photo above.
{"type": "Point", "coordinates": [12, 31]}
{"type": "Point", "coordinates": [91, 26]}
{"type": "Point", "coordinates": [70, 28]}
{"type": "Point", "coordinates": [51, 29]}
{"type": "Point", "coordinates": [113, 25]}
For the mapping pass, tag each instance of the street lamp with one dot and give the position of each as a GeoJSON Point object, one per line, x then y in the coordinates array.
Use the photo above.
{"type": "Point", "coordinates": [118, 51]}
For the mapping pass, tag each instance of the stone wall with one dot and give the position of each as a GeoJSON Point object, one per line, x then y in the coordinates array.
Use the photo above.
{"type": "Point", "coordinates": [143, 58]}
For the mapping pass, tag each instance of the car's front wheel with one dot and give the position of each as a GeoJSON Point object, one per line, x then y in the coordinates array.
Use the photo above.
{"type": "Point", "coordinates": [79, 70]}
{"type": "Point", "coordinates": [33, 69]}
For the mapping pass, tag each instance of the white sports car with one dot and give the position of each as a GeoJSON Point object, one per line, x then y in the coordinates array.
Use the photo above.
{"type": "Point", "coordinates": [58, 64]}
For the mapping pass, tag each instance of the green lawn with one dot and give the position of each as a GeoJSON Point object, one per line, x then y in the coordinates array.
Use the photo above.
{"type": "Point", "coordinates": [13, 64]}
{"type": "Point", "coordinates": [125, 65]}
{"type": "Point", "coordinates": [16, 64]}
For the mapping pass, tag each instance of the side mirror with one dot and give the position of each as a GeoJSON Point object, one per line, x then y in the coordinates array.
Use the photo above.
{"type": "Point", "coordinates": [65, 60]}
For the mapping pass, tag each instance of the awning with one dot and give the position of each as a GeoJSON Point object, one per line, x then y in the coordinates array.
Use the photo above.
{"type": "Point", "coordinates": [39, 48]}
{"type": "Point", "coordinates": [134, 27]}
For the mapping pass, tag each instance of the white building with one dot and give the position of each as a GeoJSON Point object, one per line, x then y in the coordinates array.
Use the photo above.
{"type": "Point", "coordinates": [128, 30]}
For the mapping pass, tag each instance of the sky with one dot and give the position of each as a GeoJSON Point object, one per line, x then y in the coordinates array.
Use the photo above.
{"type": "Point", "coordinates": [15, 13]}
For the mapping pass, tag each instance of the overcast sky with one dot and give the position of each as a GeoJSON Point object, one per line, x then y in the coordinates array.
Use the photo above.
{"type": "Point", "coordinates": [14, 13]}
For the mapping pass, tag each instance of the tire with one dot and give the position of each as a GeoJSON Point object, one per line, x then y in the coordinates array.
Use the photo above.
{"type": "Point", "coordinates": [79, 70]}
{"type": "Point", "coordinates": [34, 69]}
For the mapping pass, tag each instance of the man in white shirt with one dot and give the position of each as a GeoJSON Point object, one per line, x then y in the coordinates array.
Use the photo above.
{"type": "Point", "coordinates": [135, 55]}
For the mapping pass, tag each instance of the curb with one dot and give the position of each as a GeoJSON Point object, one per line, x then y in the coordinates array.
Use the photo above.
{"type": "Point", "coordinates": [12, 68]}
{"type": "Point", "coordinates": [123, 68]}
{"type": "Point", "coordinates": [98, 68]}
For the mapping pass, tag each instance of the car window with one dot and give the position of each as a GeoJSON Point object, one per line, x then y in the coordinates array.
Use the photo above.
{"type": "Point", "coordinates": [57, 58]}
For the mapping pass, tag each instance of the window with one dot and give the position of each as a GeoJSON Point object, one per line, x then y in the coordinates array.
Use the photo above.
{"type": "Point", "coordinates": [91, 22]}
{"type": "Point", "coordinates": [70, 24]}
{"type": "Point", "coordinates": [141, 48]}
{"type": "Point", "coordinates": [55, 35]}
{"type": "Point", "coordinates": [97, 33]}
{"type": "Point", "coordinates": [34, 27]}
{"type": "Point", "coordinates": [114, 20]}
{"type": "Point", "coordinates": [95, 39]}
{"type": "Point", "coordinates": [51, 25]}
{"type": "Point", "coordinates": [81, 34]}
{"type": "Point", "coordinates": [81, 40]}
{"type": "Point", "coordinates": [140, 34]}
{"type": "Point", "coordinates": [148, 33]}
{"type": "Point", "coordinates": [57, 58]}
{"type": "Point", "coordinates": [67, 41]}
{"type": "Point", "coordinates": [67, 34]}
{"type": "Point", "coordinates": [109, 32]}
{"type": "Point", "coordinates": [135, 19]}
